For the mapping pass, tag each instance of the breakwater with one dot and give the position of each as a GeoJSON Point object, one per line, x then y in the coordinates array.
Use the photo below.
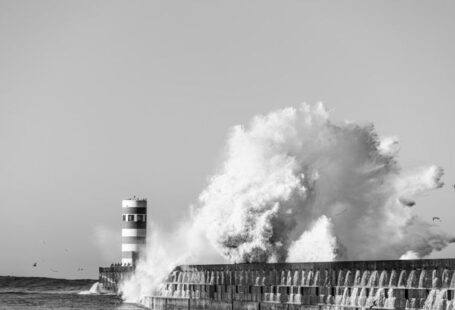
{"type": "Point", "coordinates": [397, 284]}
{"type": "Point", "coordinates": [111, 277]}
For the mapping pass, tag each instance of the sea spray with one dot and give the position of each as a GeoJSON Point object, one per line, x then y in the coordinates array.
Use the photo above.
{"type": "Point", "coordinates": [96, 289]}
{"type": "Point", "coordinates": [164, 251]}
{"type": "Point", "coordinates": [293, 171]}
{"type": "Point", "coordinates": [294, 181]}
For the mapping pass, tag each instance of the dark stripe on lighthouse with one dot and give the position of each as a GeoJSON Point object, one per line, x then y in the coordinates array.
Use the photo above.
{"type": "Point", "coordinates": [137, 225]}
{"type": "Point", "coordinates": [134, 210]}
{"type": "Point", "coordinates": [133, 240]}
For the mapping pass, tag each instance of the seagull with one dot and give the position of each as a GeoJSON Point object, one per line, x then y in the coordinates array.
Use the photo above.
{"type": "Point", "coordinates": [436, 219]}
{"type": "Point", "coordinates": [406, 202]}
{"type": "Point", "coordinates": [34, 265]}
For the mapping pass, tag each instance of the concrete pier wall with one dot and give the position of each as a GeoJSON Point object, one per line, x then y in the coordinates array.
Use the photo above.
{"type": "Point", "coordinates": [394, 284]}
{"type": "Point", "coordinates": [111, 277]}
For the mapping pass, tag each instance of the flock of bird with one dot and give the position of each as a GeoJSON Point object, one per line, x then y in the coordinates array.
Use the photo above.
{"type": "Point", "coordinates": [35, 264]}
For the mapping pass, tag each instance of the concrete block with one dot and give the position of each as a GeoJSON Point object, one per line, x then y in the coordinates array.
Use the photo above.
{"type": "Point", "coordinates": [177, 304]}
{"type": "Point", "coordinates": [417, 293]}
{"type": "Point", "coordinates": [157, 303]}
{"type": "Point", "coordinates": [210, 305]}
{"type": "Point", "coordinates": [273, 306]}
{"type": "Point", "coordinates": [245, 305]}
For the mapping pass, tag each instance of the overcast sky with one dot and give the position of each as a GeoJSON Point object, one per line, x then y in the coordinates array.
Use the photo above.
{"type": "Point", "coordinates": [103, 100]}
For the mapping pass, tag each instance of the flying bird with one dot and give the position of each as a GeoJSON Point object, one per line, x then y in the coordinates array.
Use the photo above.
{"type": "Point", "coordinates": [436, 219]}
{"type": "Point", "coordinates": [34, 265]}
{"type": "Point", "coordinates": [406, 202]}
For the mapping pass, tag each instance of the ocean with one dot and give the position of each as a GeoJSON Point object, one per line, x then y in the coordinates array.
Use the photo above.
{"type": "Point", "coordinates": [26, 293]}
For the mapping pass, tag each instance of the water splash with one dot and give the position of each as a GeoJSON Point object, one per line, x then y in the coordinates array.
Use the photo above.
{"type": "Point", "coordinates": [96, 289]}
{"type": "Point", "coordinates": [383, 279]}
{"type": "Point", "coordinates": [296, 186]}
{"type": "Point", "coordinates": [411, 283]}
{"type": "Point", "coordinates": [393, 278]}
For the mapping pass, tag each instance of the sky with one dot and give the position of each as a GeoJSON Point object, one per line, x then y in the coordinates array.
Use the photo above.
{"type": "Point", "coordinates": [103, 100]}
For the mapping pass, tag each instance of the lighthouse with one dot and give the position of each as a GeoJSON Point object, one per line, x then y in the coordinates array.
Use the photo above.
{"type": "Point", "coordinates": [134, 229]}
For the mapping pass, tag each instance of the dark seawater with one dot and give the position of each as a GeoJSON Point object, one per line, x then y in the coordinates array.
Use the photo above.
{"type": "Point", "coordinates": [60, 294]}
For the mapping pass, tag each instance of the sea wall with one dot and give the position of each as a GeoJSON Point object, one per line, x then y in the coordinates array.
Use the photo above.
{"type": "Point", "coordinates": [397, 284]}
{"type": "Point", "coordinates": [110, 277]}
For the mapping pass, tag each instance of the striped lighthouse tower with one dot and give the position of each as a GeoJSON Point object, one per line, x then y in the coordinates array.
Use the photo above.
{"type": "Point", "coordinates": [134, 229]}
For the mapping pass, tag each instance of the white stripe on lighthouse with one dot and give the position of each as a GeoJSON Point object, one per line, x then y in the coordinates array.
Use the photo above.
{"type": "Point", "coordinates": [130, 247]}
{"type": "Point", "coordinates": [132, 232]}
